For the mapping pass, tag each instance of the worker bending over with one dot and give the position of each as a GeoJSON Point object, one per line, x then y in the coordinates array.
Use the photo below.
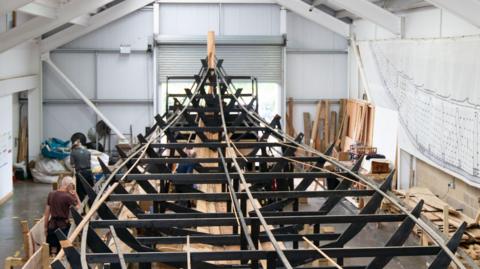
{"type": "Point", "coordinates": [80, 161]}
{"type": "Point", "coordinates": [186, 168]}
{"type": "Point", "coordinates": [57, 211]}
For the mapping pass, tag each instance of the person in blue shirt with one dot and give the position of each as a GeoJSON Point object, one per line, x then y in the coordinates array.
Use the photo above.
{"type": "Point", "coordinates": [186, 168]}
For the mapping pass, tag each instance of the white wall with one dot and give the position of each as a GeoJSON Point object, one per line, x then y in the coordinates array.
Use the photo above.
{"type": "Point", "coordinates": [316, 66]}
{"type": "Point", "coordinates": [6, 143]}
{"type": "Point", "coordinates": [224, 19]}
{"type": "Point", "coordinates": [310, 75]}
{"type": "Point", "coordinates": [427, 22]}
{"type": "Point", "coordinates": [20, 61]}
{"type": "Point", "coordinates": [421, 24]}
{"type": "Point", "coordinates": [94, 64]}
{"type": "Point", "coordinates": [102, 75]}
{"type": "Point", "coordinates": [15, 63]}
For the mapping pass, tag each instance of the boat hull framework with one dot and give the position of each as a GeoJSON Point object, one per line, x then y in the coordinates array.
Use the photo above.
{"type": "Point", "coordinates": [268, 228]}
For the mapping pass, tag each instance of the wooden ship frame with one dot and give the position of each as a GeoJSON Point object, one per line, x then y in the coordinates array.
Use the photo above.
{"type": "Point", "coordinates": [227, 215]}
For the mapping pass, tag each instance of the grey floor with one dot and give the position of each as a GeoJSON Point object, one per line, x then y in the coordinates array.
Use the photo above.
{"type": "Point", "coordinates": [27, 203]}
{"type": "Point", "coordinates": [372, 236]}
{"type": "Point", "coordinates": [29, 200]}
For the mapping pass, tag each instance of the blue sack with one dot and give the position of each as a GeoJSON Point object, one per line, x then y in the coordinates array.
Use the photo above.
{"type": "Point", "coordinates": [55, 148]}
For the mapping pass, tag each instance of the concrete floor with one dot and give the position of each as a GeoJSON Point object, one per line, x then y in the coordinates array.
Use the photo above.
{"type": "Point", "coordinates": [29, 200]}
{"type": "Point", "coordinates": [372, 235]}
{"type": "Point", "coordinates": [27, 203]}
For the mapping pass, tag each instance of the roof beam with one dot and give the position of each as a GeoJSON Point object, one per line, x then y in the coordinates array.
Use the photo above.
{"type": "Point", "coordinates": [369, 11]}
{"type": "Point", "coordinates": [345, 14]}
{"type": "Point", "coordinates": [216, 1]}
{"type": "Point", "coordinates": [39, 10]}
{"type": "Point", "coordinates": [11, 5]}
{"type": "Point", "coordinates": [95, 22]}
{"type": "Point", "coordinates": [316, 15]}
{"type": "Point", "coordinates": [81, 20]}
{"type": "Point", "coordinates": [18, 84]}
{"type": "Point", "coordinates": [40, 25]}
{"type": "Point", "coordinates": [319, 2]}
{"type": "Point", "coordinates": [469, 10]}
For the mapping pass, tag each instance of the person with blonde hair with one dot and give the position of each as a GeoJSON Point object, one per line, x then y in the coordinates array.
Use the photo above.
{"type": "Point", "coordinates": [57, 211]}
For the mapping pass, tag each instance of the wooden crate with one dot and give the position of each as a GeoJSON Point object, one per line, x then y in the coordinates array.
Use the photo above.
{"type": "Point", "coordinates": [380, 166]}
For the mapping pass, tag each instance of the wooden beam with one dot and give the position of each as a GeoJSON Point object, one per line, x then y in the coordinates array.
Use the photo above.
{"type": "Point", "coordinates": [307, 127]}
{"type": "Point", "coordinates": [45, 256]}
{"type": "Point", "coordinates": [211, 50]}
{"type": "Point", "coordinates": [289, 118]}
{"type": "Point", "coordinates": [315, 125]}
{"type": "Point", "coordinates": [26, 239]}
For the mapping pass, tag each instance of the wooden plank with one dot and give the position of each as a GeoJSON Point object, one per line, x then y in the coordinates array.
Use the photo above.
{"type": "Point", "coordinates": [6, 197]}
{"type": "Point", "coordinates": [23, 139]}
{"type": "Point", "coordinates": [118, 250]}
{"type": "Point", "coordinates": [45, 256]}
{"type": "Point", "coordinates": [307, 126]}
{"type": "Point", "coordinates": [210, 207]}
{"type": "Point", "coordinates": [333, 127]}
{"type": "Point", "coordinates": [326, 126]}
{"type": "Point", "coordinates": [358, 124]}
{"type": "Point", "coordinates": [446, 224]}
{"type": "Point", "coordinates": [12, 262]}
{"type": "Point", "coordinates": [316, 123]}
{"type": "Point", "coordinates": [211, 50]}
{"type": "Point", "coordinates": [342, 108]}
{"type": "Point", "coordinates": [342, 119]}
{"type": "Point", "coordinates": [26, 238]}
{"type": "Point", "coordinates": [289, 118]}
{"type": "Point", "coordinates": [430, 199]}
{"type": "Point", "coordinates": [371, 120]}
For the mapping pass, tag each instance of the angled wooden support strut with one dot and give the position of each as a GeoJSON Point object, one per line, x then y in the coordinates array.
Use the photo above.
{"type": "Point", "coordinates": [370, 208]}
{"type": "Point", "coordinates": [398, 238]}
{"type": "Point", "coordinates": [72, 254]}
{"type": "Point", "coordinates": [442, 260]}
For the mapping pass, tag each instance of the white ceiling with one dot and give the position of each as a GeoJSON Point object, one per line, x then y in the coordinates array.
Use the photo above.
{"type": "Point", "coordinates": [390, 5]}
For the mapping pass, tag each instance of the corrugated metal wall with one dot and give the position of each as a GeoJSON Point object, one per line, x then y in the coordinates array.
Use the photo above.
{"type": "Point", "coordinates": [120, 85]}
{"type": "Point", "coordinates": [262, 62]}
{"type": "Point", "coordinates": [109, 75]}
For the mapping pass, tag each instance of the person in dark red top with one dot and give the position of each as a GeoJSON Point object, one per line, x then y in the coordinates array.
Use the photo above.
{"type": "Point", "coordinates": [57, 211]}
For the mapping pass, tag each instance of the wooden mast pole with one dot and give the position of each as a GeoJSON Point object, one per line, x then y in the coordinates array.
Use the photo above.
{"type": "Point", "coordinates": [211, 50]}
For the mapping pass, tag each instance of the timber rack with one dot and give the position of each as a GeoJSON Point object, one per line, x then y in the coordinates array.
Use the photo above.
{"type": "Point", "coordinates": [240, 207]}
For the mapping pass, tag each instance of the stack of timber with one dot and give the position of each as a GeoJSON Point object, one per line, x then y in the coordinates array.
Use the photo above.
{"type": "Point", "coordinates": [321, 130]}
{"type": "Point", "coordinates": [444, 217]}
{"type": "Point", "coordinates": [357, 119]}
{"type": "Point", "coordinates": [351, 127]}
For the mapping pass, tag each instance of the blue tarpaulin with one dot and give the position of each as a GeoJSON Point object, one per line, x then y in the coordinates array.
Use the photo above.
{"type": "Point", "coordinates": [55, 148]}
